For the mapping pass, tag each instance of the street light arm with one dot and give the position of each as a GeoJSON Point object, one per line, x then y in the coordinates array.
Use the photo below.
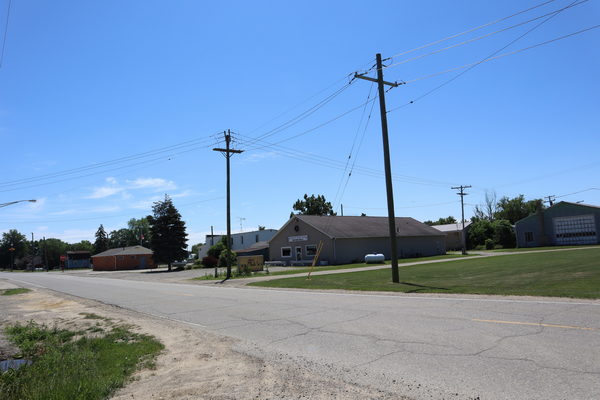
{"type": "Point", "coordinates": [15, 202]}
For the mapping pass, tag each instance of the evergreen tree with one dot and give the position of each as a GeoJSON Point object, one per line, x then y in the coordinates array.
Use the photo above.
{"type": "Point", "coordinates": [169, 239]}
{"type": "Point", "coordinates": [101, 243]}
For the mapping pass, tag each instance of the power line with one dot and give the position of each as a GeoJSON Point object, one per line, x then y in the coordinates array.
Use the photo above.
{"type": "Point", "coordinates": [490, 57]}
{"type": "Point", "coordinates": [5, 32]}
{"type": "Point", "coordinates": [102, 217]}
{"type": "Point", "coordinates": [469, 30]}
{"type": "Point", "coordinates": [579, 191]}
{"type": "Point", "coordinates": [315, 127]}
{"type": "Point", "coordinates": [305, 114]}
{"type": "Point", "coordinates": [161, 158]}
{"type": "Point", "coordinates": [337, 164]}
{"type": "Point", "coordinates": [71, 171]}
{"type": "Point", "coordinates": [496, 57]}
{"type": "Point", "coordinates": [335, 199]}
{"type": "Point", "coordinates": [483, 36]}
{"type": "Point", "coordinates": [358, 150]}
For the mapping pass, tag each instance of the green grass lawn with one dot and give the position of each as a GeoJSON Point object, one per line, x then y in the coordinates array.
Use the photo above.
{"type": "Point", "coordinates": [539, 248]}
{"type": "Point", "coordinates": [210, 276]}
{"type": "Point", "coordinates": [565, 274]}
{"type": "Point", "coordinates": [74, 365]}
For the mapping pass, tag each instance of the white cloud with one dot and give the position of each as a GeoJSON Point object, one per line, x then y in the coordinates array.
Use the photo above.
{"type": "Point", "coordinates": [104, 191]}
{"type": "Point", "coordinates": [158, 184]}
{"type": "Point", "coordinates": [113, 187]}
{"type": "Point", "coordinates": [185, 193]}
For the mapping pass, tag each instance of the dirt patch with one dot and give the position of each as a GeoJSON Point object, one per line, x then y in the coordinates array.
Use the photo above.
{"type": "Point", "coordinates": [194, 365]}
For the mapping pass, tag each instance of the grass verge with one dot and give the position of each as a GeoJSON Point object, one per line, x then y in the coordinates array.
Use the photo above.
{"type": "Point", "coordinates": [521, 249]}
{"type": "Point", "coordinates": [10, 292]}
{"type": "Point", "coordinates": [305, 270]}
{"type": "Point", "coordinates": [70, 365]}
{"type": "Point", "coordinates": [563, 274]}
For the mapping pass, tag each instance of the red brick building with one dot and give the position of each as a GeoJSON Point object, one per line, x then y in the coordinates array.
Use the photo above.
{"type": "Point", "coordinates": [122, 258]}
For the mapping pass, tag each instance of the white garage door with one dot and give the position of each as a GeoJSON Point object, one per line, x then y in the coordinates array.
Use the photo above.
{"type": "Point", "coordinates": [580, 229]}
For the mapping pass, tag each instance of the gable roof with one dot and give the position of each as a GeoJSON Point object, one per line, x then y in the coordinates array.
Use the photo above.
{"type": "Point", "coordinates": [558, 205]}
{"type": "Point", "coordinates": [363, 227]}
{"type": "Point", "coordinates": [455, 227]}
{"type": "Point", "coordinates": [124, 251]}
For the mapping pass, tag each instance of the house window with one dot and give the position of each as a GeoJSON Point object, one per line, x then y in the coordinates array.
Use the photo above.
{"type": "Point", "coordinates": [529, 236]}
{"type": "Point", "coordinates": [311, 250]}
{"type": "Point", "coordinates": [242, 239]}
{"type": "Point", "coordinates": [286, 252]}
{"type": "Point", "coordinates": [256, 238]}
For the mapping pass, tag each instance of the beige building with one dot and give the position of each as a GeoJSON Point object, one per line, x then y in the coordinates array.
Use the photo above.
{"type": "Point", "coordinates": [454, 233]}
{"type": "Point", "coordinates": [349, 239]}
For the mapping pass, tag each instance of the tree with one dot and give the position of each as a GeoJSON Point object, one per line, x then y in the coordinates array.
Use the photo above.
{"type": "Point", "coordinates": [169, 239]}
{"type": "Point", "coordinates": [441, 221]}
{"type": "Point", "coordinates": [479, 231]}
{"type": "Point", "coordinates": [139, 231]}
{"type": "Point", "coordinates": [313, 206]}
{"type": "Point", "coordinates": [488, 209]}
{"type": "Point", "coordinates": [16, 240]}
{"type": "Point", "coordinates": [517, 208]}
{"type": "Point", "coordinates": [101, 243]}
{"type": "Point", "coordinates": [216, 250]}
{"type": "Point", "coordinates": [196, 248]}
{"type": "Point", "coordinates": [261, 228]}
{"type": "Point", "coordinates": [54, 248]}
{"type": "Point", "coordinates": [120, 238]}
{"type": "Point", "coordinates": [84, 245]}
{"type": "Point", "coordinates": [504, 234]}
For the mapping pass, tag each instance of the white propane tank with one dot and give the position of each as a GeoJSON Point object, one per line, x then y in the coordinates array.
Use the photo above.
{"type": "Point", "coordinates": [374, 258]}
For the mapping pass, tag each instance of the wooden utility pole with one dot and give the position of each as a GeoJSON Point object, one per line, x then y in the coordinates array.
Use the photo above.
{"type": "Point", "coordinates": [227, 152]}
{"type": "Point", "coordinates": [462, 195]}
{"type": "Point", "coordinates": [386, 157]}
{"type": "Point", "coordinates": [550, 200]}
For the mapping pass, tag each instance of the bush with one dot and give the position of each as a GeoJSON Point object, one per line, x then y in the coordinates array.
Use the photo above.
{"type": "Point", "coordinates": [504, 233]}
{"type": "Point", "coordinates": [225, 255]}
{"type": "Point", "coordinates": [479, 231]}
{"type": "Point", "coordinates": [209, 261]}
{"type": "Point", "coordinates": [489, 244]}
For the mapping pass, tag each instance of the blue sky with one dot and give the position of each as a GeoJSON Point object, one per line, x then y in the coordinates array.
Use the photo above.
{"type": "Point", "coordinates": [84, 84]}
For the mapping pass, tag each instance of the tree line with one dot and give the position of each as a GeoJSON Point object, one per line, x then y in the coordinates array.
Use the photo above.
{"type": "Point", "coordinates": [163, 232]}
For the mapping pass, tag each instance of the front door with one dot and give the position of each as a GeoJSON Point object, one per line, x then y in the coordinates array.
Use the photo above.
{"type": "Point", "coordinates": [298, 253]}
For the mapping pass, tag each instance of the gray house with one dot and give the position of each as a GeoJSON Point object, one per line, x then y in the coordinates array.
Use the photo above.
{"type": "Point", "coordinates": [562, 224]}
{"type": "Point", "coordinates": [349, 239]}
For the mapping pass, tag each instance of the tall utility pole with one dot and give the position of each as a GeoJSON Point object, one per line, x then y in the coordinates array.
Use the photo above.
{"type": "Point", "coordinates": [242, 219]}
{"type": "Point", "coordinates": [227, 152]}
{"type": "Point", "coordinates": [386, 157]}
{"type": "Point", "coordinates": [462, 195]}
{"type": "Point", "coordinates": [550, 200]}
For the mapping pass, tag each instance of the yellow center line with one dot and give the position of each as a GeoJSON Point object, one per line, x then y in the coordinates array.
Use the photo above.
{"type": "Point", "coordinates": [582, 328]}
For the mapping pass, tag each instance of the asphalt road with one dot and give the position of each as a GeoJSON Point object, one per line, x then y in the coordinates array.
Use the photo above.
{"type": "Point", "coordinates": [421, 346]}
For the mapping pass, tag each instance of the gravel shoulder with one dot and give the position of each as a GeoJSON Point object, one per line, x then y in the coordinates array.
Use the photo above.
{"type": "Point", "coordinates": [195, 364]}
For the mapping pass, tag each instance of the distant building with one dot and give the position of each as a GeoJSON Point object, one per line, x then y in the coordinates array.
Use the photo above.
{"type": "Point", "coordinates": [256, 249]}
{"type": "Point", "coordinates": [349, 239]}
{"type": "Point", "coordinates": [454, 234]}
{"type": "Point", "coordinates": [123, 258]}
{"type": "Point", "coordinates": [562, 224]}
{"type": "Point", "coordinates": [78, 259]}
{"type": "Point", "coordinates": [239, 241]}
